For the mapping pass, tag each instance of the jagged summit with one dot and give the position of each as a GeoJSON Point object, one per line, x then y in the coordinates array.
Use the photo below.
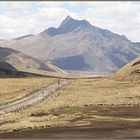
{"type": "Point", "coordinates": [68, 25]}
{"type": "Point", "coordinates": [66, 20]}
{"type": "Point", "coordinates": [74, 22]}
{"type": "Point", "coordinates": [124, 37]}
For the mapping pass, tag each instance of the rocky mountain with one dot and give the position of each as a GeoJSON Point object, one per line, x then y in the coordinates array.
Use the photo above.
{"type": "Point", "coordinates": [78, 45]}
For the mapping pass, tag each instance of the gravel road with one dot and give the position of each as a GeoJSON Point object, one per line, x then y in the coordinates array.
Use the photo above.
{"type": "Point", "coordinates": [45, 92]}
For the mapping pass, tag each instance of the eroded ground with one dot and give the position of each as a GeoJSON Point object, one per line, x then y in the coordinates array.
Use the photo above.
{"type": "Point", "coordinates": [91, 122]}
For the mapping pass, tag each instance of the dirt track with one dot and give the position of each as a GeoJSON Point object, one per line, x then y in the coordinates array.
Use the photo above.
{"type": "Point", "coordinates": [42, 93]}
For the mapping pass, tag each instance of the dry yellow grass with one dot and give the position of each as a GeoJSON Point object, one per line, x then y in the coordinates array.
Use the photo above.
{"type": "Point", "coordinates": [12, 89]}
{"type": "Point", "coordinates": [90, 91]}
{"type": "Point", "coordinates": [130, 72]}
{"type": "Point", "coordinates": [81, 93]}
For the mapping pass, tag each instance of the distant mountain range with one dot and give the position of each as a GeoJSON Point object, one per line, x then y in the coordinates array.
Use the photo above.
{"type": "Point", "coordinates": [78, 45]}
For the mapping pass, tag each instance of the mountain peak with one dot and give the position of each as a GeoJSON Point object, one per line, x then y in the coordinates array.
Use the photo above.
{"type": "Point", "coordinates": [124, 37]}
{"type": "Point", "coordinates": [66, 20]}
{"type": "Point", "coordinates": [68, 25]}
{"type": "Point", "coordinates": [68, 17]}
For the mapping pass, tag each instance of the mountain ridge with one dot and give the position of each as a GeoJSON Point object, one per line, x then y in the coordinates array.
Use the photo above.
{"type": "Point", "coordinates": [78, 45]}
{"type": "Point", "coordinates": [65, 26]}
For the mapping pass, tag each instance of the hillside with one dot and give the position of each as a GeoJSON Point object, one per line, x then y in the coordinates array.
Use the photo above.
{"type": "Point", "coordinates": [131, 71]}
{"type": "Point", "coordinates": [78, 45]}
{"type": "Point", "coordinates": [12, 61]}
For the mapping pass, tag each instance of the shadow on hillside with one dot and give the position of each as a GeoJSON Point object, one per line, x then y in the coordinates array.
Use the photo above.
{"type": "Point", "coordinates": [8, 71]}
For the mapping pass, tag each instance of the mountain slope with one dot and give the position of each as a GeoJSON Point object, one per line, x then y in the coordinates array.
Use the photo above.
{"type": "Point", "coordinates": [13, 61]}
{"type": "Point", "coordinates": [78, 45]}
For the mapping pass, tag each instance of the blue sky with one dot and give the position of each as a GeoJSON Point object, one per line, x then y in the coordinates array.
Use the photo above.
{"type": "Point", "coordinates": [21, 18]}
{"type": "Point", "coordinates": [74, 8]}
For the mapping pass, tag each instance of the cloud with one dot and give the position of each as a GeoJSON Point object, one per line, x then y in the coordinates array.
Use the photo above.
{"type": "Point", "coordinates": [20, 18]}
{"type": "Point", "coordinates": [50, 4]}
{"type": "Point", "coordinates": [18, 22]}
{"type": "Point", "coordinates": [119, 17]}
{"type": "Point", "coordinates": [15, 9]}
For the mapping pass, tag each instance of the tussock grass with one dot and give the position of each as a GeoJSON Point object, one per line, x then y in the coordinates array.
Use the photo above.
{"type": "Point", "coordinates": [12, 89]}
{"type": "Point", "coordinates": [79, 94]}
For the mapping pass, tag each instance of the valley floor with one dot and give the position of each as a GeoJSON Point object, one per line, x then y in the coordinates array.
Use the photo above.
{"type": "Point", "coordinates": [99, 108]}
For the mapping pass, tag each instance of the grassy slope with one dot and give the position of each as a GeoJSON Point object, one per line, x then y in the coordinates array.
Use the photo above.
{"type": "Point", "coordinates": [130, 72]}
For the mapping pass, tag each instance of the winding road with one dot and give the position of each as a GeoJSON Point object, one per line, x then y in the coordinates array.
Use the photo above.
{"type": "Point", "coordinates": [43, 93]}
